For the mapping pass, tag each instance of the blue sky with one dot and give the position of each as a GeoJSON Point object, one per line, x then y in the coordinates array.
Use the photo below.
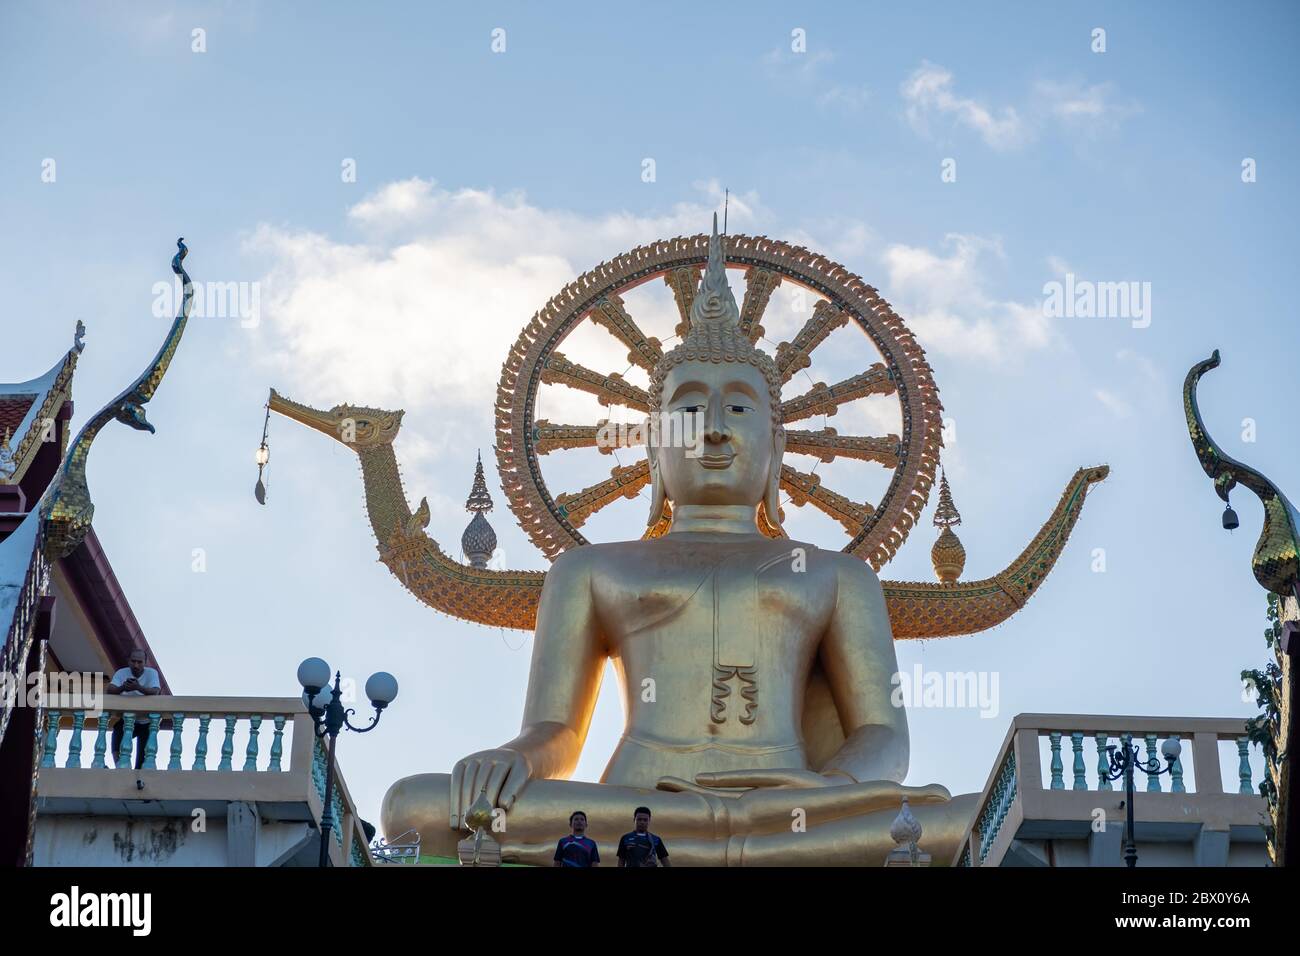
{"type": "Point", "coordinates": [485, 181]}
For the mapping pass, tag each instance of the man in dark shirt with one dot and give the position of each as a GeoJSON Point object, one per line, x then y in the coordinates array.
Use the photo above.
{"type": "Point", "coordinates": [577, 849]}
{"type": "Point", "coordinates": [641, 847]}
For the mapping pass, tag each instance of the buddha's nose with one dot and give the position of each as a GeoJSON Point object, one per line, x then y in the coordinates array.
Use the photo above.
{"type": "Point", "coordinates": [715, 422]}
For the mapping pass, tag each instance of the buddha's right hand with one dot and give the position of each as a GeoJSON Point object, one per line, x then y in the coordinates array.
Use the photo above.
{"type": "Point", "coordinates": [500, 773]}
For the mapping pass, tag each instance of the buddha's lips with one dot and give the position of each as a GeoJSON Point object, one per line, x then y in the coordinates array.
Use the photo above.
{"type": "Point", "coordinates": [717, 462]}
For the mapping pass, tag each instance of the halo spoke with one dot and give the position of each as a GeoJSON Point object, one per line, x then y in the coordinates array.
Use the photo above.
{"type": "Point", "coordinates": [610, 313]}
{"type": "Point", "coordinates": [548, 437]}
{"type": "Point", "coordinates": [610, 389]}
{"type": "Point", "coordinates": [828, 445]}
{"type": "Point", "coordinates": [826, 400]}
{"type": "Point", "coordinates": [805, 489]}
{"type": "Point", "coordinates": [759, 286]}
{"type": "Point", "coordinates": [793, 356]}
{"type": "Point", "coordinates": [685, 282]}
{"type": "Point", "coordinates": [625, 481]}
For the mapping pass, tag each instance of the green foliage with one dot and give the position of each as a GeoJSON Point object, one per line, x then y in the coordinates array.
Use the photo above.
{"type": "Point", "coordinates": [1267, 684]}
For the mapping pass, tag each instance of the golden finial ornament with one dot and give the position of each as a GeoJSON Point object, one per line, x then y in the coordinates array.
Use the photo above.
{"type": "Point", "coordinates": [906, 832]}
{"type": "Point", "coordinates": [948, 556]}
{"type": "Point", "coordinates": [479, 540]}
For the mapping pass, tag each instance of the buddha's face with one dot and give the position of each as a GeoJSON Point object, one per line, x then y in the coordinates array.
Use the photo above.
{"type": "Point", "coordinates": [731, 458]}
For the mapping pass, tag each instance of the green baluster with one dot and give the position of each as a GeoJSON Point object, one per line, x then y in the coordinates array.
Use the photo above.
{"type": "Point", "coordinates": [51, 738]}
{"type": "Point", "coordinates": [250, 755]}
{"type": "Point", "coordinates": [101, 741]}
{"type": "Point", "coordinates": [74, 745]}
{"type": "Point", "coordinates": [1176, 774]}
{"type": "Point", "coordinates": [201, 748]}
{"type": "Point", "coordinates": [1080, 780]}
{"type": "Point", "coordinates": [151, 744]}
{"type": "Point", "coordinates": [1153, 762]}
{"type": "Point", "coordinates": [228, 745]}
{"type": "Point", "coordinates": [123, 755]}
{"type": "Point", "coordinates": [277, 744]}
{"type": "Point", "coordinates": [1058, 780]}
{"type": "Point", "coordinates": [318, 769]}
{"type": "Point", "coordinates": [175, 762]}
{"type": "Point", "coordinates": [1243, 767]}
{"type": "Point", "coordinates": [1103, 763]}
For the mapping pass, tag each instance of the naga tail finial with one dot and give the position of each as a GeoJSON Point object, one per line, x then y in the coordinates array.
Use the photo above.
{"type": "Point", "coordinates": [1276, 561]}
{"type": "Point", "coordinates": [66, 509]}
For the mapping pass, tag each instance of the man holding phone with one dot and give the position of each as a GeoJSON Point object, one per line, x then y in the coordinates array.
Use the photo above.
{"type": "Point", "coordinates": [135, 680]}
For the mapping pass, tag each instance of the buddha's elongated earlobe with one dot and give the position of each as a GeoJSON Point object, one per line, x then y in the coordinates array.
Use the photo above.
{"type": "Point", "coordinates": [656, 486]}
{"type": "Point", "coordinates": [772, 499]}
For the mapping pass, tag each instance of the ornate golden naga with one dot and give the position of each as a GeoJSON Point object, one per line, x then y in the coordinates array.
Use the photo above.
{"type": "Point", "coordinates": [1276, 561]}
{"type": "Point", "coordinates": [66, 510]}
{"type": "Point", "coordinates": [510, 598]}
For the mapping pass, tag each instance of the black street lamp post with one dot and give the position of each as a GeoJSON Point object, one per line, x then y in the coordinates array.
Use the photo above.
{"type": "Point", "coordinates": [1122, 764]}
{"type": "Point", "coordinates": [327, 711]}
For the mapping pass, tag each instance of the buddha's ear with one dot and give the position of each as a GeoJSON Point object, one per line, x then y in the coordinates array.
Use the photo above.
{"type": "Point", "coordinates": [772, 499]}
{"type": "Point", "coordinates": [656, 481]}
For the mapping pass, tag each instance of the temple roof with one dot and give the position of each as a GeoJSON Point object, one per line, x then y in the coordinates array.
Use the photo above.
{"type": "Point", "coordinates": [23, 405]}
{"type": "Point", "coordinates": [86, 576]}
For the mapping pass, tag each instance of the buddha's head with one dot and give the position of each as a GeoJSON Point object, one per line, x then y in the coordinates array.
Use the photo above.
{"type": "Point", "coordinates": [733, 393]}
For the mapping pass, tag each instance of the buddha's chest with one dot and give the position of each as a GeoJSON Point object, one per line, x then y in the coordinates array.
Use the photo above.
{"type": "Point", "coordinates": [732, 607]}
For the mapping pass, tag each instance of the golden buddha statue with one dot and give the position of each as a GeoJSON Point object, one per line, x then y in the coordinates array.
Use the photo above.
{"type": "Point", "coordinates": [714, 630]}
{"type": "Point", "coordinates": [756, 671]}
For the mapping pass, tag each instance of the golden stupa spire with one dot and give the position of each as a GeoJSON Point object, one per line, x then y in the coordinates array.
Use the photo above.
{"type": "Point", "coordinates": [479, 540]}
{"type": "Point", "coordinates": [948, 556]}
{"type": "Point", "coordinates": [479, 500]}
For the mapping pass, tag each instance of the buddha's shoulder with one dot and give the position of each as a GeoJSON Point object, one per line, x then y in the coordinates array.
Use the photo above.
{"type": "Point", "coordinates": [850, 569]}
{"type": "Point", "coordinates": [592, 557]}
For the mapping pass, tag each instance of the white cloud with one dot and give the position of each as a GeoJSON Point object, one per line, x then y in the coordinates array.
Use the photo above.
{"type": "Point", "coordinates": [1113, 403]}
{"type": "Point", "coordinates": [397, 202]}
{"type": "Point", "coordinates": [929, 92]}
{"type": "Point", "coordinates": [1058, 266]}
{"type": "Point", "coordinates": [806, 72]}
{"type": "Point", "coordinates": [948, 307]}
{"type": "Point", "coordinates": [1095, 107]}
{"type": "Point", "coordinates": [849, 99]}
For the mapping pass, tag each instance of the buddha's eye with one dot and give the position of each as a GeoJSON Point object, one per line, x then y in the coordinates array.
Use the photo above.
{"type": "Point", "coordinates": [691, 409]}
{"type": "Point", "coordinates": [739, 409]}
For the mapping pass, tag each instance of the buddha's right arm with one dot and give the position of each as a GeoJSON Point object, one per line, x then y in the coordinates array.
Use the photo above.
{"type": "Point", "coordinates": [563, 683]}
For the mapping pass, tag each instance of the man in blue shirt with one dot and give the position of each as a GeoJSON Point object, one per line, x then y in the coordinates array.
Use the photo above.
{"type": "Point", "coordinates": [641, 847]}
{"type": "Point", "coordinates": [577, 849]}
